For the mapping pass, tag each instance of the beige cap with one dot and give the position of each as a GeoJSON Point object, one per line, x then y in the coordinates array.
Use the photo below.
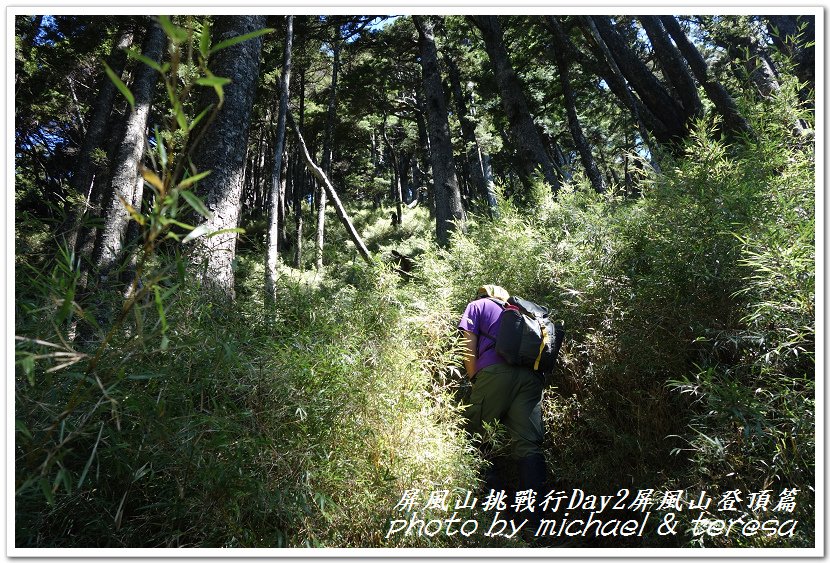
{"type": "Point", "coordinates": [495, 291]}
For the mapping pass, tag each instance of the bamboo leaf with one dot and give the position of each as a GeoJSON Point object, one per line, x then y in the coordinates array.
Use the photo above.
{"type": "Point", "coordinates": [196, 204]}
{"type": "Point", "coordinates": [160, 309]}
{"type": "Point", "coordinates": [152, 178]}
{"type": "Point", "coordinates": [204, 40]}
{"type": "Point", "coordinates": [46, 490]}
{"type": "Point", "coordinates": [213, 81]}
{"type": "Point", "coordinates": [174, 32]}
{"type": "Point", "coordinates": [181, 119]}
{"type": "Point", "coordinates": [239, 39]}
{"type": "Point", "coordinates": [162, 150]}
{"type": "Point", "coordinates": [137, 217]}
{"type": "Point", "coordinates": [169, 221]}
{"type": "Point", "coordinates": [89, 461]}
{"type": "Point", "coordinates": [223, 231]}
{"type": "Point", "coordinates": [199, 117]}
{"type": "Point", "coordinates": [134, 54]}
{"type": "Point", "coordinates": [189, 181]}
{"type": "Point", "coordinates": [20, 426]}
{"type": "Point", "coordinates": [120, 85]}
{"type": "Point", "coordinates": [197, 232]}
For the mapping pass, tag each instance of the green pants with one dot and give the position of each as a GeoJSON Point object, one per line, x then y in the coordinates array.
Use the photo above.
{"type": "Point", "coordinates": [512, 395]}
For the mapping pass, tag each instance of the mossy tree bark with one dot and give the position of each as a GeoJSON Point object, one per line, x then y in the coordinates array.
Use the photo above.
{"type": "Point", "coordinates": [277, 178]}
{"type": "Point", "coordinates": [126, 188]}
{"type": "Point", "coordinates": [449, 213]}
{"type": "Point", "coordinates": [223, 147]}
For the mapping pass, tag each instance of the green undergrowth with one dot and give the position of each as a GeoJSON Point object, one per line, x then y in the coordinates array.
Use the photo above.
{"type": "Point", "coordinates": [300, 425]}
{"type": "Point", "coordinates": [689, 357]}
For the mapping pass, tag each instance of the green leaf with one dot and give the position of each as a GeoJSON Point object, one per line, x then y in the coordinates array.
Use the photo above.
{"type": "Point", "coordinates": [134, 54]}
{"type": "Point", "coordinates": [46, 490]}
{"type": "Point", "coordinates": [28, 365]}
{"type": "Point", "coordinates": [162, 150]}
{"type": "Point", "coordinates": [91, 456]}
{"type": "Point", "coordinates": [160, 309]}
{"type": "Point", "coordinates": [213, 81]}
{"type": "Point", "coordinates": [66, 306]}
{"type": "Point", "coordinates": [204, 40]}
{"type": "Point", "coordinates": [239, 39]}
{"type": "Point", "coordinates": [199, 117]}
{"type": "Point", "coordinates": [63, 477]}
{"type": "Point", "coordinates": [174, 32]}
{"type": "Point", "coordinates": [223, 231]}
{"type": "Point", "coordinates": [20, 426]}
{"type": "Point", "coordinates": [197, 204]}
{"type": "Point", "coordinates": [144, 376]}
{"type": "Point", "coordinates": [190, 180]}
{"type": "Point", "coordinates": [169, 221]}
{"type": "Point", "coordinates": [181, 119]}
{"type": "Point", "coordinates": [197, 232]}
{"type": "Point", "coordinates": [120, 85]}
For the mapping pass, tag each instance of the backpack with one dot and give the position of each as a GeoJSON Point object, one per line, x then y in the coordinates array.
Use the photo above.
{"type": "Point", "coordinates": [528, 336]}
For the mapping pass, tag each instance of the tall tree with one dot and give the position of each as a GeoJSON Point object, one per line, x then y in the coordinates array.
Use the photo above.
{"type": "Point", "coordinates": [673, 65]}
{"type": "Point", "coordinates": [653, 93]}
{"type": "Point", "coordinates": [222, 149]}
{"type": "Point", "coordinates": [473, 150]}
{"type": "Point", "coordinates": [328, 141]}
{"type": "Point", "coordinates": [647, 123]}
{"type": "Point", "coordinates": [723, 101]}
{"type": "Point", "coordinates": [274, 200]}
{"type": "Point", "coordinates": [97, 123]}
{"type": "Point", "coordinates": [125, 187]}
{"type": "Point", "coordinates": [560, 41]}
{"type": "Point", "coordinates": [795, 36]}
{"type": "Point", "coordinates": [338, 206]}
{"type": "Point", "coordinates": [449, 214]}
{"type": "Point", "coordinates": [532, 153]}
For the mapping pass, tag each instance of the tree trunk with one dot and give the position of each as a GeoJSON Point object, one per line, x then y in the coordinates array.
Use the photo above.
{"type": "Point", "coordinates": [531, 149]}
{"type": "Point", "coordinates": [642, 80]}
{"type": "Point", "coordinates": [223, 148]}
{"type": "Point", "coordinates": [795, 36]}
{"type": "Point", "coordinates": [725, 105]}
{"type": "Point", "coordinates": [97, 124]}
{"type": "Point", "coordinates": [673, 65]}
{"type": "Point", "coordinates": [647, 123]}
{"type": "Point", "coordinates": [468, 131]}
{"type": "Point", "coordinates": [560, 44]}
{"type": "Point", "coordinates": [277, 187]}
{"type": "Point", "coordinates": [110, 243]}
{"type": "Point", "coordinates": [100, 192]}
{"type": "Point", "coordinates": [449, 214]}
{"type": "Point", "coordinates": [328, 142]}
{"type": "Point", "coordinates": [397, 171]}
{"type": "Point", "coordinates": [298, 194]}
{"type": "Point", "coordinates": [318, 173]}
{"type": "Point", "coordinates": [749, 60]}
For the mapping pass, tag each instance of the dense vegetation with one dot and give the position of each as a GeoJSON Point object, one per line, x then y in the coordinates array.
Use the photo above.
{"type": "Point", "coordinates": [160, 404]}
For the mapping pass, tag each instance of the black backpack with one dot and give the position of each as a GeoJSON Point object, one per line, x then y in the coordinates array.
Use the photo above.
{"type": "Point", "coordinates": [528, 336]}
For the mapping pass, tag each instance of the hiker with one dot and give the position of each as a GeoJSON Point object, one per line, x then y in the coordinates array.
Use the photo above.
{"type": "Point", "coordinates": [502, 392]}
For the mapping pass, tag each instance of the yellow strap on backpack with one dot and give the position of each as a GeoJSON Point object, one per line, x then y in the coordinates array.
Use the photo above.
{"type": "Point", "coordinates": [542, 345]}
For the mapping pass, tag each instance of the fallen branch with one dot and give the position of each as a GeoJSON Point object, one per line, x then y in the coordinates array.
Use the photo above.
{"type": "Point", "coordinates": [327, 185]}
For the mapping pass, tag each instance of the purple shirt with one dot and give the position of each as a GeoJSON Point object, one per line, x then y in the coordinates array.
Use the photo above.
{"type": "Point", "coordinates": [482, 316]}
